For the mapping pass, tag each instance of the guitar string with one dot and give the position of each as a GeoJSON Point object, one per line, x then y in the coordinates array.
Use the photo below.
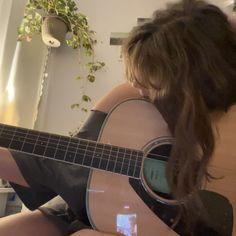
{"type": "Point", "coordinates": [87, 155]}
{"type": "Point", "coordinates": [76, 142]}
{"type": "Point", "coordinates": [10, 132]}
{"type": "Point", "coordinates": [126, 169]}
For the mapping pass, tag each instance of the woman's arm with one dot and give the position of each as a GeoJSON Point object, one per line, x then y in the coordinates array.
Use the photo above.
{"type": "Point", "coordinates": [9, 170]}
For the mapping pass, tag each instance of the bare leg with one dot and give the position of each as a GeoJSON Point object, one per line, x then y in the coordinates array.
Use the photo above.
{"type": "Point", "coordinates": [9, 169]}
{"type": "Point", "coordinates": [28, 224]}
{"type": "Point", "coordinates": [88, 232]}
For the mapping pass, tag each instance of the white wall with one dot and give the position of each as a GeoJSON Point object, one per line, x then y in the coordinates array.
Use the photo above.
{"type": "Point", "coordinates": [20, 68]}
{"type": "Point", "coordinates": [61, 90]}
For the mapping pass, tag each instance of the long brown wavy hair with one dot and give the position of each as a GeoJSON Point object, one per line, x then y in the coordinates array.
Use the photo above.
{"type": "Point", "coordinates": [186, 57]}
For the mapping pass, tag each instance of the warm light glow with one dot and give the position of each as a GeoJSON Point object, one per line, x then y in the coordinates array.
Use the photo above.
{"type": "Point", "coordinates": [229, 2]}
{"type": "Point", "coordinates": [10, 91]}
{"type": "Point", "coordinates": [8, 111]}
{"type": "Point", "coordinates": [10, 84]}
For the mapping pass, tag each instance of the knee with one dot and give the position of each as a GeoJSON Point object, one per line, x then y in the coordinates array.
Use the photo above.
{"type": "Point", "coordinates": [89, 232]}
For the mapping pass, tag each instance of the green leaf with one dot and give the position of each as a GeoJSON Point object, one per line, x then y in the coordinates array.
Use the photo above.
{"type": "Point", "coordinates": [20, 30]}
{"type": "Point", "coordinates": [79, 78]}
{"type": "Point", "coordinates": [27, 29]}
{"type": "Point", "coordinates": [91, 78]}
{"type": "Point", "coordinates": [86, 98]}
{"type": "Point", "coordinates": [95, 66]}
{"type": "Point", "coordinates": [84, 109]}
{"type": "Point", "coordinates": [76, 105]}
{"type": "Point", "coordinates": [38, 17]}
{"type": "Point", "coordinates": [29, 17]}
{"type": "Point", "coordinates": [25, 21]}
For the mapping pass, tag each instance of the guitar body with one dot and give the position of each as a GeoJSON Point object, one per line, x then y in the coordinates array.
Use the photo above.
{"type": "Point", "coordinates": [112, 203]}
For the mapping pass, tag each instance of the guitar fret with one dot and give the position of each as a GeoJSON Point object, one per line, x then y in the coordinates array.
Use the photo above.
{"type": "Point", "coordinates": [123, 159]}
{"type": "Point", "coordinates": [35, 144]}
{"type": "Point", "coordinates": [128, 160]}
{"type": "Point", "coordinates": [67, 145]}
{"type": "Point", "coordinates": [40, 145]}
{"type": "Point", "coordinates": [104, 161]}
{"type": "Point", "coordinates": [80, 152]}
{"type": "Point", "coordinates": [61, 148]}
{"type": "Point", "coordinates": [87, 158]}
{"type": "Point", "coordinates": [109, 163]}
{"type": "Point", "coordinates": [76, 151]}
{"type": "Point", "coordinates": [16, 140]}
{"type": "Point", "coordinates": [132, 163]}
{"type": "Point", "coordinates": [46, 146]}
{"type": "Point", "coordinates": [86, 148]}
{"type": "Point", "coordinates": [25, 135]}
{"type": "Point", "coordinates": [92, 158]}
{"type": "Point", "coordinates": [50, 151]}
{"type": "Point", "coordinates": [115, 164]}
{"type": "Point", "coordinates": [128, 169]}
{"type": "Point", "coordinates": [120, 161]}
{"type": "Point", "coordinates": [12, 138]}
{"type": "Point", "coordinates": [70, 151]}
{"type": "Point", "coordinates": [55, 154]}
{"type": "Point", "coordinates": [27, 146]}
{"type": "Point", "coordinates": [138, 167]}
{"type": "Point", "coordinates": [135, 165]}
{"type": "Point", "coordinates": [95, 159]}
{"type": "Point", "coordinates": [100, 155]}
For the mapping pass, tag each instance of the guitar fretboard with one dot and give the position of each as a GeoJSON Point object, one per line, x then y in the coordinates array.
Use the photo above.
{"type": "Point", "coordinates": [78, 151]}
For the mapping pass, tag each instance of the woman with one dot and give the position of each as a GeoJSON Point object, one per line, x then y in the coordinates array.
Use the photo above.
{"type": "Point", "coordinates": [184, 61]}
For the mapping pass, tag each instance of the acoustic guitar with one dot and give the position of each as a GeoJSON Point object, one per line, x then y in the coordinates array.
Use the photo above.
{"type": "Point", "coordinates": [127, 192]}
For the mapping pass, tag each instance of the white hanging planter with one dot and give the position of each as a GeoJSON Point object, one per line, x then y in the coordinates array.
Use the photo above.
{"type": "Point", "coordinates": [54, 31]}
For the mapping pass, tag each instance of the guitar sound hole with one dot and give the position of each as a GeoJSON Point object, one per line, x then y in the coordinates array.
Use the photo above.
{"type": "Point", "coordinates": [155, 170]}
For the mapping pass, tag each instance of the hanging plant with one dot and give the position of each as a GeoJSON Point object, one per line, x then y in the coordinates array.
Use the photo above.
{"type": "Point", "coordinates": [53, 19]}
{"type": "Point", "coordinates": [93, 67]}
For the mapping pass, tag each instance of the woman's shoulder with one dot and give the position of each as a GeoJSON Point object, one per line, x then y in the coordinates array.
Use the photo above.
{"type": "Point", "coordinates": [115, 96]}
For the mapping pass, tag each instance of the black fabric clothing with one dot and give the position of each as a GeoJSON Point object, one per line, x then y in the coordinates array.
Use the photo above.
{"type": "Point", "coordinates": [48, 178]}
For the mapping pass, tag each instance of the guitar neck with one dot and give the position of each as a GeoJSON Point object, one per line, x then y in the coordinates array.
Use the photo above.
{"type": "Point", "coordinates": [72, 150]}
